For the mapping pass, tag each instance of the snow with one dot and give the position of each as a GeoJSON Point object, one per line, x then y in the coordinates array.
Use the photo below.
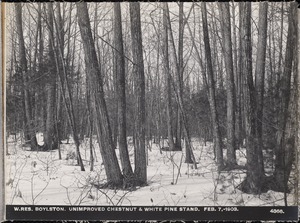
{"type": "Point", "coordinates": [40, 138]}
{"type": "Point", "coordinates": [40, 178]}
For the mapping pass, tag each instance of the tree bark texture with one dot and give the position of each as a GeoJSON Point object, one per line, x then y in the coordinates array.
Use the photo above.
{"type": "Point", "coordinates": [29, 131]}
{"type": "Point", "coordinates": [61, 70]}
{"type": "Point", "coordinates": [254, 178]}
{"type": "Point", "coordinates": [165, 51]}
{"type": "Point", "coordinates": [139, 77]}
{"type": "Point", "coordinates": [211, 87]}
{"type": "Point", "coordinates": [50, 141]}
{"type": "Point", "coordinates": [231, 99]}
{"type": "Point", "coordinates": [121, 97]}
{"type": "Point", "coordinates": [285, 144]}
{"type": "Point", "coordinates": [189, 155]}
{"type": "Point", "coordinates": [260, 78]}
{"type": "Point", "coordinates": [180, 75]}
{"type": "Point", "coordinates": [112, 168]}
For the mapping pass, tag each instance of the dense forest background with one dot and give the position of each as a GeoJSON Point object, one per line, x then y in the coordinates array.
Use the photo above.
{"type": "Point", "coordinates": [136, 73]}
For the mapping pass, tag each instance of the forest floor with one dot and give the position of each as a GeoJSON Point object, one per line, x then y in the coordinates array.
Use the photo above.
{"type": "Point", "coordinates": [40, 178]}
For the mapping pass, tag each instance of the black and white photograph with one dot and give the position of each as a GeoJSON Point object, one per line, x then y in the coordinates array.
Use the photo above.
{"type": "Point", "coordinates": [185, 108]}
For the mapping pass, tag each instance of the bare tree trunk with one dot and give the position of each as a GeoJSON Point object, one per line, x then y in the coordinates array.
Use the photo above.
{"type": "Point", "coordinates": [237, 80]}
{"type": "Point", "coordinates": [121, 97]}
{"type": "Point", "coordinates": [199, 58]}
{"type": "Point", "coordinates": [297, 119]}
{"type": "Point", "coordinates": [211, 86]}
{"type": "Point", "coordinates": [260, 78]}
{"type": "Point", "coordinates": [240, 131]}
{"type": "Point", "coordinates": [165, 51]}
{"type": "Point", "coordinates": [112, 168]}
{"type": "Point", "coordinates": [29, 131]}
{"type": "Point", "coordinates": [138, 71]}
{"type": "Point", "coordinates": [91, 122]}
{"type": "Point", "coordinates": [36, 64]}
{"type": "Point", "coordinates": [38, 97]}
{"type": "Point", "coordinates": [291, 133]}
{"type": "Point", "coordinates": [59, 98]}
{"type": "Point", "coordinates": [231, 99]}
{"type": "Point", "coordinates": [234, 46]}
{"type": "Point", "coordinates": [49, 136]}
{"type": "Point", "coordinates": [254, 178]}
{"type": "Point", "coordinates": [279, 69]}
{"type": "Point", "coordinates": [285, 144]}
{"type": "Point", "coordinates": [65, 88]}
{"type": "Point", "coordinates": [180, 75]}
{"type": "Point", "coordinates": [189, 158]}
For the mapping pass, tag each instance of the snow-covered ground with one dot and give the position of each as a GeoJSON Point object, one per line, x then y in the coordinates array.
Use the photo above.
{"type": "Point", "coordinates": [40, 178]}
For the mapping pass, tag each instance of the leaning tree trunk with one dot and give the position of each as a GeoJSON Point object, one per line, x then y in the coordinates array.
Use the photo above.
{"type": "Point", "coordinates": [189, 158]}
{"type": "Point", "coordinates": [29, 130]}
{"type": "Point", "coordinates": [139, 77]}
{"type": "Point", "coordinates": [291, 140]}
{"type": "Point", "coordinates": [165, 51]}
{"type": "Point", "coordinates": [231, 99]}
{"type": "Point", "coordinates": [59, 97]}
{"type": "Point", "coordinates": [211, 87]}
{"type": "Point", "coordinates": [112, 168]}
{"type": "Point", "coordinates": [65, 89]}
{"type": "Point", "coordinates": [59, 112]}
{"type": "Point", "coordinates": [121, 97]}
{"type": "Point", "coordinates": [285, 144]}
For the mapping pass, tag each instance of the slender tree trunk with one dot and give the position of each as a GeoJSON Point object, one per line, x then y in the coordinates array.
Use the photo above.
{"type": "Point", "coordinates": [211, 85]}
{"type": "Point", "coordinates": [165, 51]}
{"type": "Point", "coordinates": [112, 168]}
{"type": "Point", "coordinates": [61, 70]}
{"type": "Point", "coordinates": [234, 32]}
{"type": "Point", "coordinates": [59, 99]}
{"type": "Point", "coordinates": [138, 71]}
{"type": "Point", "coordinates": [297, 118]}
{"type": "Point", "coordinates": [189, 157]}
{"type": "Point", "coordinates": [291, 132]}
{"type": "Point", "coordinates": [38, 97]}
{"type": "Point", "coordinates": [240, 133]}
{"type": "Point", "coordinates": [91, 122]}
{"type": "Point", "coordinates": [29, 131]}
{"type": "Point", "coordinates": [238, 122]}
{"type": "Point", "coordinates": [231, 99]}
{"type": "Point", "coordinates": [121, 97]}
{"type": "Point", "coordinates": [285, 145]}
{"type": "Point", "coordinates": [35, 64]}
{"type": "Point", "coordinates": [50, 141]}
{"type": "Point", "coordinates": [199, 58]}
{"type": "Point", "coordinates": [59, 113]}
{"type": "Point", "coordinates": [279, 69]}
{"type": "Point", "coordinates": [180, 75]}
{"type": "Point", "coordinates": [260, 78]}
